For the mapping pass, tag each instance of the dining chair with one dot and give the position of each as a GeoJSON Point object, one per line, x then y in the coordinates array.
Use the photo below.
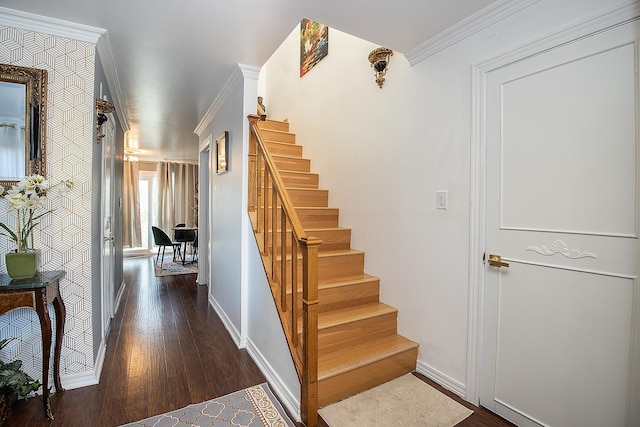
{"type": "Point", "coordinates": [184, 236]}
{"type": "Point", "coordinates": [162, 240]}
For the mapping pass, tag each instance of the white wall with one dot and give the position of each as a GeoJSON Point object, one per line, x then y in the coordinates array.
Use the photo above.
{"type": "Point", "coordinates": [226, 209]}
{"type": "Point", "coordinates": [383, 154]}
{"type": "Point", "coordinates": [238, 288]}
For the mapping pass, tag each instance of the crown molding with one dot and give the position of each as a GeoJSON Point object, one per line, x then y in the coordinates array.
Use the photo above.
{"type": "Point", "coordinates": [480, 20]}
{"type": "Point", "coordinates": [236, 77]}
{"type": "Point", "coordinates": [47, 25]}
{"type": "Point", "coordinates": [111, 73]}
{"type": "Point", "coordinates": [249, 72]}
{"type": "Point", "coordinates": [619, 14]}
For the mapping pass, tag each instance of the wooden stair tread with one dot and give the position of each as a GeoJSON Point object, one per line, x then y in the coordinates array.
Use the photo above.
{"type": "Point", "coordinates": [339, 283]}
{"type": "Point", "coordinates": [341, 252]}
{"type": "Point", "coordinates": [346, 359]}
{"type": "Point", "coordinates": [303, 173]}
{"type": "Point", "coordinates": [284, 156]}
{"type": "Point", "coordinates": [271, 141]}
{"type": "Point", "coordinates": [342, 316]}
{"type": "Point", "coordinates": [320, 229]}
{"type": "Point", "coordinates": [327, 254]}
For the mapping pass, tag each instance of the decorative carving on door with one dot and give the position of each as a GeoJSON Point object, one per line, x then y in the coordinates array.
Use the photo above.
{"type": "Point", "coordinates": [560, 247]}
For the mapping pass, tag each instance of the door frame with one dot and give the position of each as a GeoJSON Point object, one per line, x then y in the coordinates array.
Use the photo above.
{"type": "Point", "coordinates": [478, 191]}
{"type": "Point", "coordinates": [204, 211]}
{"type": "Point", "coordinates": [107, 289]}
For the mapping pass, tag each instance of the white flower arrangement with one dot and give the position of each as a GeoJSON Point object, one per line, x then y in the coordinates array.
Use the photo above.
{"type": "Point", "coordinates": [26, 197]}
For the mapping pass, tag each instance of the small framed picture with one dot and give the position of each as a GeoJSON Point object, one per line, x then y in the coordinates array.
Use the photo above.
{"type": "Point", "coordinates": [222, 148]}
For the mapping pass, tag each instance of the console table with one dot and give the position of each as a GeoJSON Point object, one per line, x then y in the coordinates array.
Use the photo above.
{"type": "Point", "coordinates": [36, 293]}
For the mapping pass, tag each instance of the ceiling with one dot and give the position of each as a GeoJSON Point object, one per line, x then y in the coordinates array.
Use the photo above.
{"type": "Point", "coordinates": [172, 58]}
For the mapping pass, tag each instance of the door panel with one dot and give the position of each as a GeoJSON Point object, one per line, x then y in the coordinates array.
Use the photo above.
{"type": "Point", "coordinates": [560, 323]}
{"type": "Point", "coordinates": [560, 113]}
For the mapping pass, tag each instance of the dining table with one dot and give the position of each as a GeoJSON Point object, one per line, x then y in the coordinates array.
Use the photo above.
{"type": "Point", "coordinates": [186, 241]}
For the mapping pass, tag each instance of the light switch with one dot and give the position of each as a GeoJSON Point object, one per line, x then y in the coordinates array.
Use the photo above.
{"type": "Point", "coordinates": [441, 199]}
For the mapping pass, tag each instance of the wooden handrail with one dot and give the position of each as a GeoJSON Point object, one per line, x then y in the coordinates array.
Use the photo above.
{"type": "Point", "coordinates": [272, 213]}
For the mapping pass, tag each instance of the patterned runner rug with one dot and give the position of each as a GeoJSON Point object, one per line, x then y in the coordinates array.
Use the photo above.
{"type": "Point", "coordinates": [405, 401]}
{"type": "Point", "coordinates": [170, 268]}
{"type": "Point", "coordinates": [252, 407]}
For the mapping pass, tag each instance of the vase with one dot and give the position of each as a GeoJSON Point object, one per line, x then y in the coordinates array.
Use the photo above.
{"type": "Point", "coordinates": [22, 265]}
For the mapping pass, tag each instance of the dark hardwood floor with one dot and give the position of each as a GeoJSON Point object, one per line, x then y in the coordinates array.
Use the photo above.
{"type": "Point", "coordinates": [167, 348]}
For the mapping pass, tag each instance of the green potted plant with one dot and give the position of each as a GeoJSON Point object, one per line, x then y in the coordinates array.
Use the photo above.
{"type": "Point", "coordinates": [14, 383]}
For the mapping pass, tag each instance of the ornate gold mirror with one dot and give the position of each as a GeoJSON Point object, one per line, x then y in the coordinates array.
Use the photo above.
{"type": "Point", "coordinates": [23, 103]}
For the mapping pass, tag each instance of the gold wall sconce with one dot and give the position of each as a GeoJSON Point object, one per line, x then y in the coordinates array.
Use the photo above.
{"type": "Point", "coordinates": [379, 59]}
{"type": "Point", "coordinates": [103, 107]}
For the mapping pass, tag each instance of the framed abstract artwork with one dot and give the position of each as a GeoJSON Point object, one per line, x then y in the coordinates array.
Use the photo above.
{"type": "Point", "coordinates": [314, 44]}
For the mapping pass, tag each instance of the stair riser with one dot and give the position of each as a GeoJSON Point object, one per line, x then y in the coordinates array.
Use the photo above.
{"type": "Point", "coordinates": [314, 217]}
{"type": "Point", "coordinates": [356, 332]}
{"type": "Point", "coordinates": [292, 164]}
{"type": "Point", "coordinates": [331, 239]}
{"type": "Point", "coordinates": [272, 135]}
{"type": "Point", "coordinates": [284, 149]}
{"type": "Point", "coordinates": [305, 198]}
{"type": "Point", "coordinates": [318, 218]}
{"type": "Point", "coordinates": [299, 180]}
{"type": "Point", "coordinates": [351, 295]}
{"type": "Point", "coordinates": [334, 268]}
{"type": "Point", "coordinates": [335, 298]}
{"type": "Point", "coordinates": [274, 125]}
{"type": "Point", "coordinates": [309, 198]}
{"type": "Point", "coordinates": [338, 387]}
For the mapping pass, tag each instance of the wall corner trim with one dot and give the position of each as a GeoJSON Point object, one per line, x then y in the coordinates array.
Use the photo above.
{"type": "Point", "coordinates": [287, 398]}
{"type": "Point", "coordinates": [234, 79]}
{"type": "Point", "coordinates": [108, 64]}
{"type": "Point", "coordinates": [228, 324]}
{"type": "Point", "coordinates": [53, 26]}
{"type": "Point", "coordinates": [442, 379]}
{"type": "Point", "coordinates": [467, 27]}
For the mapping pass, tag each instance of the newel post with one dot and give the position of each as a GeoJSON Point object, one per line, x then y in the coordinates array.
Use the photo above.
{"type": "Point", "coordinates": [309, 387]}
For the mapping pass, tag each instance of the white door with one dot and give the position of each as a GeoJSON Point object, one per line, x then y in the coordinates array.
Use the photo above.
{"type": "Point", "coordinates": [561, 324]}
{"type": "Point", "coordinates": [108, 259]}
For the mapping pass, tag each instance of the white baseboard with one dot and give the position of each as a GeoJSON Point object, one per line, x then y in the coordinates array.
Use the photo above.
{"type": "Point", "coordinates": [445, 381]}
{"type": "Point", "coordinates": [235, 335]}
{"type": "Point", "coordinates": [69, 382]}
{"type": "Point", "coordinates": [287, 398]}
{"type": "Point", "coordinates": [99, 363]}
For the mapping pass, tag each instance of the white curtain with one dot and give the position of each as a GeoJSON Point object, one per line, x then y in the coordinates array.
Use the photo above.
{"type": "Point", "coordinates": [185, 176]}
{"type": "Point", "coordinates": [165, 197]}
{"type": "Point", "coordinates": [12, 147]}
{"type": "Point", "coordinates": [176, 195]}
{"type": "Point", "coordinates": [131, 229]}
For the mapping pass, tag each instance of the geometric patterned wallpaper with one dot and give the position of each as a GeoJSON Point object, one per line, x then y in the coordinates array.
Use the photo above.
{"type": "Point", "coordinates": [65, 235]}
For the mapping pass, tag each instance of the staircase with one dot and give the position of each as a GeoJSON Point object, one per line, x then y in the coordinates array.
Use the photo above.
{"type": "Point", "coordinates": [357, 342]}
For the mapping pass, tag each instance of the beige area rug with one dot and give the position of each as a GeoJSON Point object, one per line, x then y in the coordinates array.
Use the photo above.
{"type": "Point", "coordinates": [171, 268]}
{"type": "Point", "coordinates": [405, 401]}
